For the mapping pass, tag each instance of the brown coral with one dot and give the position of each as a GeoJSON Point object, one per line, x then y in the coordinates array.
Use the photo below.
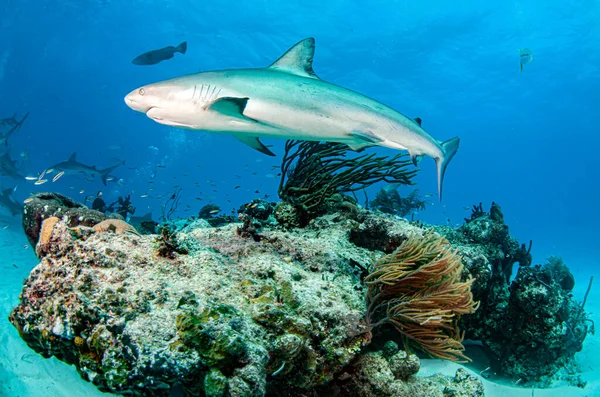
{"type": "Point", "coordinates": [116, 226]}
{"type": "Point", "coordinates": [419, 289]}
{"type": "Point", "coordinates": [46, 232]}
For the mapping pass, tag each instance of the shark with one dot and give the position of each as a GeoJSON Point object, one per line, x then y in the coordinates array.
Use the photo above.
{"type": "Point", "coordinates": [7, 202]}
{"type": "Point", "coordinates": [8, 167]}
{"type": "Point", "coordinates": [73, 167]}
{"type": "Point", "coordinates": [9, 126]}
{"type": "Point", "coordinates": [286, 100]}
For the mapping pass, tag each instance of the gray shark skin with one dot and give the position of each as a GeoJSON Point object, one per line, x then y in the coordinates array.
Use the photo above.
{"type": "Point", "coordinates": [73, 167]}
{"type": "Point", "coordinates": [8, 167]}
{"type": "Point", "coordinates": [7, 202]}
{"type": "Point", "coordinates": [286, 100]}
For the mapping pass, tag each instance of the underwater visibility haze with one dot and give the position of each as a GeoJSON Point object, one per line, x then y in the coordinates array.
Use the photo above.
{"type": "Point", "coordinates": [245, 198]}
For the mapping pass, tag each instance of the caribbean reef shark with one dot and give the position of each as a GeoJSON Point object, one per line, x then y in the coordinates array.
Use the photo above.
{"type": "Point", "coordinates": [73, 167]}
{"type": "Point", "coordinates": [8, 127]}
{"type": "Point", "coordinates": [7, 201]}
{"type": "Point", "coordinates": [286, 100]}
{"type": "Point", "coordinates": [8, 167]}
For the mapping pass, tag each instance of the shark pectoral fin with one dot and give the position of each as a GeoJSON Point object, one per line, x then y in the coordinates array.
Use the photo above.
{"type": "Point", "coordinates": [231, 107]}
{"type": "Point", "coordinates": [254, 143]}
{"type": "Point", "coordinates": [298, 59]}
{"type": "Point", "coordinates": [363, 139]}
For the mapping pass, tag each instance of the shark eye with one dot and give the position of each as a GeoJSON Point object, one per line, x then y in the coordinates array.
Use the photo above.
{"type": "Point", "coordinates": [142, 91]}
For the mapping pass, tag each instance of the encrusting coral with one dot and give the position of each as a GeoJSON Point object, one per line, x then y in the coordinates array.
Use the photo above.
{"type": "Point", "coordinates": [419, 289]}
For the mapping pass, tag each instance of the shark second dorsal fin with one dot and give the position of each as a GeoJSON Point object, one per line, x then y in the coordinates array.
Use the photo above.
{"type": "Point", "coordinates": [298, 59]}
{"type": "Point", "coordinates": [73, 157]}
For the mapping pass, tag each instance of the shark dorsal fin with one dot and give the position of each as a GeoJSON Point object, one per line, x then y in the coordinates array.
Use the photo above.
{"type": "Point", "coordinates": [298, 59]}
{"type": "Point", "coordinates": [73, 157]}
{"type": "Point", "coordinates": [418, 120]}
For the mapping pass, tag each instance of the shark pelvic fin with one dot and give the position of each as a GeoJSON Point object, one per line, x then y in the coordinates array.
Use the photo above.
{"type": "Point", "coordinates": [73, 157]}
{"type": "Point", "coordinates": [298, 59]}
{"type": "Point", "coordinates": [363, 139]}
{"type": "Point", "coordinates": [231, 107]}
{"type": "Point", "coordinates": [254, 143]}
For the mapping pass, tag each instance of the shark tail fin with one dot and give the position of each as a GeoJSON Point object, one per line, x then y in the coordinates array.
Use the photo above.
{"type": "Point", "coordinates": [106, 172]}
{"type": "Point", "coordinates": [182, 47]}
{"type": "Point", "coordinates": [450, 147]}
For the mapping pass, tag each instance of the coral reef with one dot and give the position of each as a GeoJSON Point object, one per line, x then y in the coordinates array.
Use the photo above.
{"type": "Point", "coordinates": [46, 205]}
{"type": "Point", "coordinates": [519, 319]}
{"type": "Point", "coordinates": [253, 308]}
{"type": "Point", "coordinates": [234, 317]}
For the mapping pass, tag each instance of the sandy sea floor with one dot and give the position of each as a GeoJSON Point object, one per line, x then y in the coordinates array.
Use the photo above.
{"type": "Point", "coordinates": [23, 373]}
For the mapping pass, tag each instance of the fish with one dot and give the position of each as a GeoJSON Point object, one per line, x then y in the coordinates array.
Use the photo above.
{"type": "Point", "coordinates": [40, 181]}
{"type": "Point", "coordinates": [57, 176]}
{"type": "Point", "coordinates": [31, 178]}
{"type": "Point", "coordinates": [286, 100]}
{"type": "Point", "coordinates": [73, 167]}
{"type": "Point", "coordinates": [9, 126]}
{"type": "Point", "coordinates": [525, 56]}
{"type": "Point", "coordinates": [8, 167]}
{"type": "Point", "coordinates": [7, 202]}
{"type": "Point", "coordinates": [155, 56]}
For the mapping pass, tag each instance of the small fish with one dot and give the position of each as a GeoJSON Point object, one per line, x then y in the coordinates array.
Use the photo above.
{"type": "Point", "coordinates": [110, 178]}
{"type": "Point", "coordinates": [99, 194]}
{"type": "Point", "coordinates": [49, 171]}
{"type": "Point", "coordinates": [525, 56]}
{"type": "Point", "coordinates": [5, 227]}
{"type": "Point", "coordinates": [57, 176]}
{"type": "Point", "coordinates": [429, 194]}
{"type": "Point", "coordinates": [155, 56]}
{"type": "Point", "coordinates": [81, 191]}
{"type": "Point", "coordinates": [24, 155]}
{"type": "Point", "coordinates": [31, 178]}
{"type": "Point", "coordinates": [214, 211]}
{"type": "Point", "coordinates": [237, 187]}
{"type": "Point", "coordinates": [256, 191]}
{"type": "Point", "coordinates": [144, 195]}
{"type": "Point", "coordinates": [40, 181]}
{"type": "Point", "coordinates": [25, 246]}
{"type": "Point", "coordinates": [42, 174]}
{"type": "Point", "coordinates": [28, 200]}
{"type": "Point", "coordinates": [153, 148]}
{"type": "Point", "coordinates": [161, 166]}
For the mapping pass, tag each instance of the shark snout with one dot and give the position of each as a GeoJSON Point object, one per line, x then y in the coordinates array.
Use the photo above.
{"type": "Point", "coordinates": [137, 102]}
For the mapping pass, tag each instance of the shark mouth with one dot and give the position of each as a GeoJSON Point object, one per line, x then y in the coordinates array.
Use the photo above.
{"type": "Point", "coordinates": [154, 114]}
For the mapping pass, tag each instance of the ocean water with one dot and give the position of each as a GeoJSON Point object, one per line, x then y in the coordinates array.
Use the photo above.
{"type": "Point", "coordinates": [529, 140]}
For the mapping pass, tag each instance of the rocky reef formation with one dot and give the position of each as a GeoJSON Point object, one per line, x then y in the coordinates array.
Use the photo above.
{"type": "Point", "coordinates": [213, 311]}
{"type": "Point", "coordinates": [261, 307]}
{"type": "Point", "coordinates": [531, 324]}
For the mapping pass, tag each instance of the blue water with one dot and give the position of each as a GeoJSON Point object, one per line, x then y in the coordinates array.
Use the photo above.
{"type": "Point", "coordinates": [529, 140]}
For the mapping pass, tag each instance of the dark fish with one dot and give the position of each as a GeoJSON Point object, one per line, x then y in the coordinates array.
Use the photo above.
{"type": "Point", "coordinates": [237, 187]}
{"type": "Point", "coordinates": [155, 56]}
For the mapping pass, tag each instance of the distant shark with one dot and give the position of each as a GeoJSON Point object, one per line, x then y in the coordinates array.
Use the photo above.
{"type": "Point", "coordinates": [8, 127]}
{"type": "Point", "coordinates": [286, 100]}
{"type": "Point", "coordinates": [7, 201]}
{"type": "Point", "coordinates": [73, 167]}
{"type": "Point", "coordinates": [8, 167]}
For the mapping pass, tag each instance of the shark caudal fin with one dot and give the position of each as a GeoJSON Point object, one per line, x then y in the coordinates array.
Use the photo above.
{"type": "Point", "coordinates": [450, 147]}
{"type": "Point", "coordinates": [106, 172]}
{"type": "Point", "coordinates": [182, 47]}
